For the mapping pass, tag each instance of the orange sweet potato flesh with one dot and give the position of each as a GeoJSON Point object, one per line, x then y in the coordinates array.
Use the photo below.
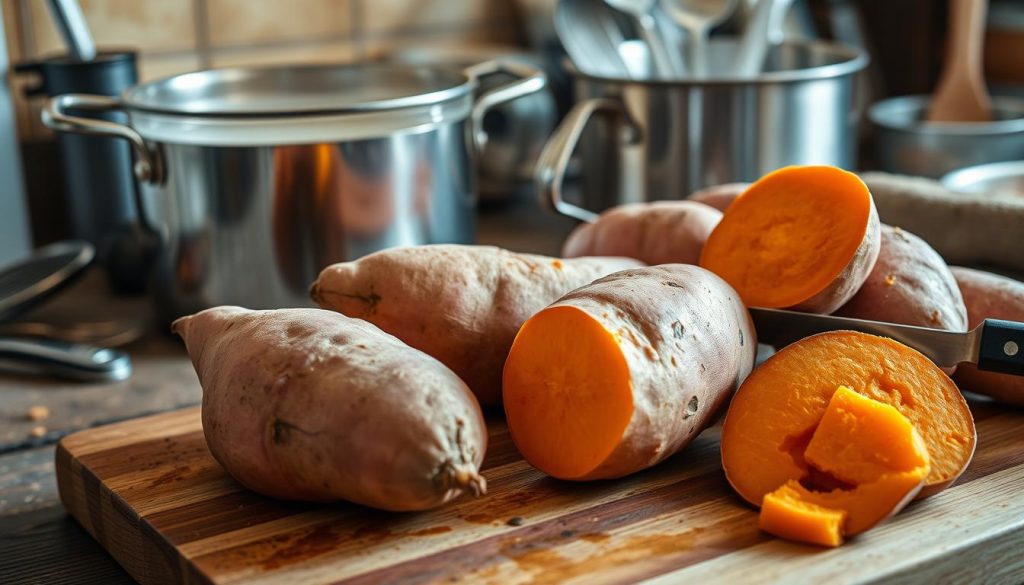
{"type": "Point", "coordinates": [773, 416]}
{"type": "Point", "coordinates": [662, 232]}
{"type": "Point", "coordinates": [990, 296]}
{"type": "Point", "coordinates": [803, 238]}
{"type": "Point", "coordinates": [622, 373]}
{"type": "Point", "coordinates": [869, 449]}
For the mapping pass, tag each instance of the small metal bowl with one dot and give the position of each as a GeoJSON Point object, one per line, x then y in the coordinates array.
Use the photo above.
{"type": "Point", "coordinates": [1003, 178]}
{"type": "Point", "coordinates": [907, 145]}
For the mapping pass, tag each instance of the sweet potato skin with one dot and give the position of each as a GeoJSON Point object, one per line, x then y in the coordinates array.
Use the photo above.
{"type": "Point", "coordinates": [910, 284]}
{"type": "Point", "coordinates": [689, 342]}
{"type": "Point", "coordinates": [662, 232]}
{"type": "Point", "coordinates": [992, 296]}
{"type": "Point", "coordinates": [849, 281]}
{"type": "Point", "coordinates": [311, 405]}
{"type": "Point", "coordinates": [460, 304]}
{"type": "Point", "coordinates": [720, 196]}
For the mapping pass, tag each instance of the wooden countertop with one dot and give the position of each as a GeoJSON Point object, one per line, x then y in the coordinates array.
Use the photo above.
{"type": "Point", "coordinates": [39, 542]}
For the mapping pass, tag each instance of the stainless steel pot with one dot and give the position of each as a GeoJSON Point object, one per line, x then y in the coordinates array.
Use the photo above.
{"type": "Point", "coordinates": [648, 140]}
{"type": "Point", "coordinates": [254, 179]}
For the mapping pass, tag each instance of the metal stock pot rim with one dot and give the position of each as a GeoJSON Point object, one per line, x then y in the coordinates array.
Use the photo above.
{"type": "Point", "coordinates": [851, 60]}
{"type": "Point", "coordinates": [298, 90]}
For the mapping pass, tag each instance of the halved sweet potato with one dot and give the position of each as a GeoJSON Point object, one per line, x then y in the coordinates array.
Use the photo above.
{"type": "Point", "coordinates": [662, 232]}
{"type": "Point", "coordinates": [990, 296]}
{"type": "Point", "coordinates": [620, 374]}
{"type": "Point", "coordinates": [803, 238]}
{"type": "Point", "coordinates": [774, 415]}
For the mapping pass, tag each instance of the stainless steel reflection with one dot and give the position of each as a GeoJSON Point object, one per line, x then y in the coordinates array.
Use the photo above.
{"type": "Point", "coordinates": [905, 144]}
{"type": "Point", "coordinates": [253, 226]}
{"type": "Point", "coordinates": [251, 194]}
{"type": "Point", "coordinates": [1002, 178]}
{"type": "Point", "coordinates": [643, 141]}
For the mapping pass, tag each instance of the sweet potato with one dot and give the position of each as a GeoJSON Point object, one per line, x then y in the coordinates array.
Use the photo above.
{"type": "Point", "coordinates": [990, 296]}
{"type": "Point", "coordinates": [620, 374]}
{"type": "Point", "coordinates": [308, 404]}
{"type": "Point", "coordinates": [869, 448]}
{"type": "Point", "coordinates": [720, 196]}
{"type": "Point", "coordinates": [909, 284]}
{"type": "Point", "coordinates": [662, 232]}
{"type": "Point", "coordinates": [776, 412]}
{"type": "Point", "coordinates": [460, 304]}
{"type": "Point", "coordinates": [803, 238]}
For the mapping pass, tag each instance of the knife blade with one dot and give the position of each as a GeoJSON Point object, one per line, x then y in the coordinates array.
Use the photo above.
{"type": "Point", "coordinates": [994, 345]}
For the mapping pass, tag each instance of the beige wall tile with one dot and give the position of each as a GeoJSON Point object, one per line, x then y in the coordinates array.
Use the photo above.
{"type": "Point", "coordinates": [246, 22]}
{"type": "Point", "coordinates": [157, 66]}
{"type": "Point", "coordinates": [382, 46]}
{"type": "Point", "coordinates": [385, 16]}
{"type": "Point", "coordinates": [144, 24]}
{"type": "Point", "coordinates": [339, 52]}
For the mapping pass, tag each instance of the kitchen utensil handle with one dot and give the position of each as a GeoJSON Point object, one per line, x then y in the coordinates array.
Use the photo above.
{"type": "Point", "coordinates": [68, 17]}
{"type": "Point", "coordinates": [1001, 348]}
{"type": "Point", "coordinates": [71, 361]}
{"type": "Point", "coordinates": [528, 80]}
{"type": "Point", "coordinates": [549, 174]}
{"type": "Point", "coordinates": [148, 165]}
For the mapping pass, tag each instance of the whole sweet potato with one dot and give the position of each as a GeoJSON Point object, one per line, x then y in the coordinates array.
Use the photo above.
{"type": "Point", "coordinates": [663, 232]}
{"type": "Point", "coordinates": [910, 284]}
{"type": "Point", "coordinates": [460, 304]}
{"type": "Point", "coordinates": [990, 296]}
{"type": "Point", "coordinates": [307, 404]}
{"type": "Point", "coordinates": [720, 196]}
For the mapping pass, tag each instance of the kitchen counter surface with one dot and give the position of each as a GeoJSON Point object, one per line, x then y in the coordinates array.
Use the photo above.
{"type": "Point", "coordinates": [39, 542]}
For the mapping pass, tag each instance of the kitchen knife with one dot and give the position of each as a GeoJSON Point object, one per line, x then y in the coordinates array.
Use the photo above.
{"type": "Point", "coordinates": [995, 345]}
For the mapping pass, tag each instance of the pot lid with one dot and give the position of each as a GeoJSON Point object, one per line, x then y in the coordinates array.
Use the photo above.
{"type": "Point", "coordinates": [299, 90]}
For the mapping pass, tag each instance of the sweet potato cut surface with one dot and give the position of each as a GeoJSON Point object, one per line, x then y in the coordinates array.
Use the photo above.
{"type": "Point", "coordinates": [774, 415]}
{"type": "Point", "coordinates": [990, 296]}
{"type": "Point", "coordinates": [804, 238]}
{"type": "Point", "coordinates": [460, 304]}
{"type": "Point", "coordinates": [867, 447]}
{"type": "Point", "coordinates": [620, 374]}
{"type": "Point", "coordinates": [909, 284]}
{"type": "Point", "coordinates": [663, 232]}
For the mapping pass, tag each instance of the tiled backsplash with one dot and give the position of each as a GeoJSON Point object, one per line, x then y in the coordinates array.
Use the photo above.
{"type": "Point", "coordinates": [175, 36]}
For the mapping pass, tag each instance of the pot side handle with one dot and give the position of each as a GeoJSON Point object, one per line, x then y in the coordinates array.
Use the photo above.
{"type": "Point", "coordinates": [529, 80]}
{"type": "Point", "coordinates": [553, 162]}
{"type": "Point", "coordinates": [148, 165]}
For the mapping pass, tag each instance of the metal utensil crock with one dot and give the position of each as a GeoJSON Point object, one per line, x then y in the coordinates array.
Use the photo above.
{"type": "Point", "coordinates": [664, 139]}
{"type": "Point", "coordinates": [256, 178]}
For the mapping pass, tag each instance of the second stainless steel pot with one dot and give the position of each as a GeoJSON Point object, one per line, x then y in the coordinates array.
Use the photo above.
{"type": "Point", "coordinates": [252, 180]}
{"type": "Point", "coordinates": [648, 140]}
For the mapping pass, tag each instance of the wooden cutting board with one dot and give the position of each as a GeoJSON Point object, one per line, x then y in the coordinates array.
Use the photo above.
{"type": "Point", "coordinates": [149, 491]}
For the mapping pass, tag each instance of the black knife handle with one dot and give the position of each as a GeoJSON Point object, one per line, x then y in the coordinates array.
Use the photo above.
{"type": "Point", "coordinates": [1002, 347]}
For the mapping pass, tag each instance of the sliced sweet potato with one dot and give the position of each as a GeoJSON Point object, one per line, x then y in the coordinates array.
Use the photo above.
{"type": "Point", "coordinates": [990, 296]}
{"type": "Point", "coordinates": [909, 284]}
{"type": "Point", "coordinates": [774, 415]}
{"type": "Point", "coordinates": [620, 374]}
{"type": "Point", "coordinates": [662, 232]}
{"type": "Point", "coordinates": [720, 196]}
{"type": "Point", "coordinates": [460, 304]}
{"type": "Point", "coordinates": [803, 238]}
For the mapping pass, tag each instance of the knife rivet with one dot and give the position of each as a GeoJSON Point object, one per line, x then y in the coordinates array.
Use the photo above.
{"type": "Point", "coordinates": [1010, 348]}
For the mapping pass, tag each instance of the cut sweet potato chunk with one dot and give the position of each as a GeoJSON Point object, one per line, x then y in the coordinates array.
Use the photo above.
{"type": "Point", "coordinates": [866, 445]}
{"type": "Point", "coordinates": [774, 416]}
{"type": "Point", "coordinates": [804, 238]}
{"type": "Point", "coordinates": [622, 373]}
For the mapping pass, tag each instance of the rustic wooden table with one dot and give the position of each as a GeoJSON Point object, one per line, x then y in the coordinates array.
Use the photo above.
{"type": "Point", "coordinates": [39, 542]}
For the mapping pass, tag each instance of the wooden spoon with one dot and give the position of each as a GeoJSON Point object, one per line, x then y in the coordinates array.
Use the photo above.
{"type": "Point", "coordinates": [961, 95]}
